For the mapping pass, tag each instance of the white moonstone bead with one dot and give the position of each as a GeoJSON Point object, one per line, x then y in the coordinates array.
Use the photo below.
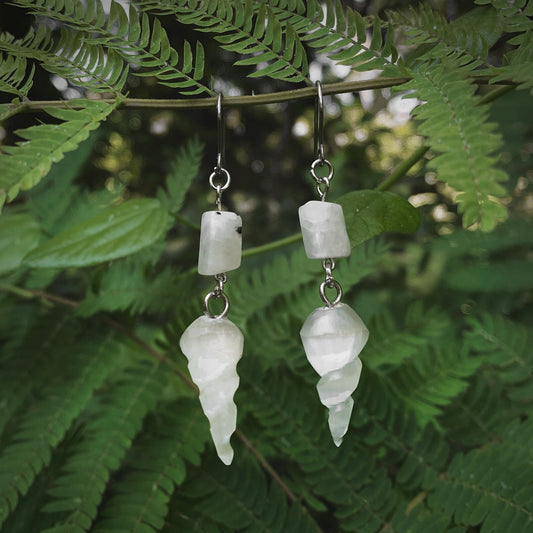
{"type": "Point", "coordinates": [213, 346]}
{"type": "Point", "coordinates": [220, 242]}
{"type": "Point", "coordinates": [324, 230]}
{"type": "Point", "coordinates": [333, 338]}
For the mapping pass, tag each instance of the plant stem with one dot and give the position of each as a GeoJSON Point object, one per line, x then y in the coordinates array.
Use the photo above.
{"type": "Point", "coordinates": [401, 170]}
{"type": "Point", "coordinates": [274, 245]}
{"type": "Point", "coordinates": [186, 222]}
{"type": "Point", "coordinates": [229, 101]}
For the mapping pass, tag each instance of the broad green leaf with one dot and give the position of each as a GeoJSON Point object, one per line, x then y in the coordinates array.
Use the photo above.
{"type": "Point", "coordinates": [114, 233]}
{"type": "Point", "coordinates": [370, 213]}
{"type": "Point", "coordinates": [19, 234]}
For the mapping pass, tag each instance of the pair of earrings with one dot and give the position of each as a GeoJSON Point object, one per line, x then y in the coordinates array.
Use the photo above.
{"type": "Point", "coordinates": [332, 336]}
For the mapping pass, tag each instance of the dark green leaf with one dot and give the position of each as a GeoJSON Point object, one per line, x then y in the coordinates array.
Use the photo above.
{"type": "Point", "coordinates": [114, 233]}
{"type": "Point", "coordinates": [370, 213]}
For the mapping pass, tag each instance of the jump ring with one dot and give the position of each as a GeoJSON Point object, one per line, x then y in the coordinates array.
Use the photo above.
{"type": "Point", "coordinates": [332, 284]}
{"type": "Point", "coordinates": [322, 163]}
{"type": "Point", "coordinates": [207, 299]}
{"type": "Point", "coordinates": [217, 173]}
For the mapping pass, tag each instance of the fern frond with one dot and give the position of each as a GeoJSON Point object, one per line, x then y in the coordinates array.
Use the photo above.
{"type": "Point", "coordinates": [244, 28]}
{"type": "Point", "coordinates": [426, 26]}
{"type": "Point", "coordinates": [133, 286]}
{"type": "Point", "coordinates": [507, 346]}
{"type": "Point", "coordinates": [432, 380]}
{"type": "Point", "coordinates": [291, 418]}
{"type": "Point", "coordinates": [239, 499]}
{"type": "Point", "coordinates": [156, 466]}
{"type": "Point", "coordinates": [456, 128]}
{"type": "Point", "coordinates": [392, 344]}
{"type": "Point", "coordinates": [85, 64]}
{"type": "Point", "coordinates": [516, 16]}
{"type": "Point", "coordinates": [24, 165]}
{"type": "Point", "coordinates": [42, 427]}
{"type": "Point", "coordinates": [29, 357]}
{"type": "Point", "coordinates": [520, 66]}
{"type": "Point", "coordinates": [14, 77]}
{"type": "Point", "coordinates": [491, 486]}
{"type": "Point", "coordinates": [183, 171]}
{"type": "Point", "coordinates": [133, 39]}
{"type": "Point", "coordinates": [107, 436]}
{"type": "Point", "coordinates": [341, 33]}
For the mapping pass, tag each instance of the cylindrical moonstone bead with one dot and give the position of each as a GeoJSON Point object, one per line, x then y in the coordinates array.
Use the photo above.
{"type": "Point", "coordinates": [220, 242]}
{"type": "Point", "coordinates": [324, 230]}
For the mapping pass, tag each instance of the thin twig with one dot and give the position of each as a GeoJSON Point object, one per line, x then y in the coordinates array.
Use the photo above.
{"type": "Point", "coordinates": [72, 304]}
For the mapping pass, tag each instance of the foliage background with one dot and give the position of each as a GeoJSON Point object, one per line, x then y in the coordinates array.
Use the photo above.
{"type": "Point", "coordinates": [100, 429]}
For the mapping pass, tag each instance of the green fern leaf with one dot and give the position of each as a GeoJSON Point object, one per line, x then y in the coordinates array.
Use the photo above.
{"type": "Point", "coordinates": [342, 36]}
{"type": "Point", "coordinates": [78, 490]}
{"type": "Point", "coordinates": [125, 37]}
{"type": "Point", "coordinates": [143, 492]}
{"type": "Point", "coordinates": [26, 366]}
{"type": "Point", "coordinates": [257, 33]}
{"type": "Point", "coordinates": [43, 426]}
{"type": "Point", "coordinates": [506, 345]}
{"type": "Point", "coordinates": [392, 344]}
{"type": "Point", "coordinates": [457, 129]}
{"type": "Point", "coordinates": [426, 26]}
{"type": "Point", "coordinates": [14, 78]}
{"type": "Point", "coordinates": [24, 165]}
{"type": "Point", "coordinates": [432, 380]}
{"type": "Point", "coordinates": [134, 286]}
{"type": "Point", "coordinates": [520, 66]}
{"type": "Point", "coordinates": [482, 487]}
{"type": "Point", "coordinates": [183, 171]}
{"type": "Point", "coordinates": [239, 499]}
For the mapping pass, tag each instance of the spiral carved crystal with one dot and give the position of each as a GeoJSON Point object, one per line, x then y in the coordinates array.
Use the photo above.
{"type": "Point", "coordinates": [213, 347]}
{"type": "Point", "coordinates": [333, 338]}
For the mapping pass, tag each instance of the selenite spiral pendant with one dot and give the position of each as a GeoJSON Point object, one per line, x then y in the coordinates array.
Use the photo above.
{"type": "Point", "coordinates": [333, 338]}
{"type": "Point", "coordinates": [213, 347]}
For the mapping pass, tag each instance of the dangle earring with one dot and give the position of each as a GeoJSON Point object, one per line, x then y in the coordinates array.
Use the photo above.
{"type": "Point", "coordinates": [334, 335]}
{"type": "Point", "coordinates": [213, 344]}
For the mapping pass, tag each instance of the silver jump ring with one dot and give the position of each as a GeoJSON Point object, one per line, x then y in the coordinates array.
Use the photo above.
{"type": "Point", "coordinates": [219, 172]}
{"type": "Point", "coordinates": [216, 294]}
{"type": "Point", "coordinates": [330, 284]}
{"type": "Point", "coordinates": [319, 122]}
{"type": "Point", "coordinates": [328, 265]}
{"type": "Point", "coordinates": [321, 163]}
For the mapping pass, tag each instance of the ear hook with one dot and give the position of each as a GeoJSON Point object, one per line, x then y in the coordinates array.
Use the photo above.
{"type": "Point", "coordinates": [322, 182]}
{"type": "Point", "coordinates": [221, 134]}
{"type": "Point", "coordinates": [220, 173]}
{"type": "Point", "coordinates": [319, 123]}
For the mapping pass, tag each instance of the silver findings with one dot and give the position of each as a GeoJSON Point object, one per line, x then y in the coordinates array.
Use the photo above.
{"type": "Point", "coordinates": [330, 283]}
{"type": "Point", "coordinates": [322, 182]}
{"type": "Point", "coordinates": [219, 171]}
{"type": "Point", "coordinates": [217, 292]}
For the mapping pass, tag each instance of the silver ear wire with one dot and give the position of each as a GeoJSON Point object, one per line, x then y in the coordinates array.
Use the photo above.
{"type": "Point", "coordinates": [319, 123]}
{"type": "Point", "coordinates": [221, 135]}
{"type": "Point", "coordinates": [219, 172]}
{"type": "Point", "coordinates": [322, 182]}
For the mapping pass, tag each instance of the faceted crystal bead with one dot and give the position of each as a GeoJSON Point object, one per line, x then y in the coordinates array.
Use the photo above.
{"type": "Point", "coordinates": [324, 230]}
{"type": "Point", "coordinates": [220, 242]}
{"type": "Point", "coordinates": [213, 346]}
{"type": "Point", "coordinates": [333, 337]}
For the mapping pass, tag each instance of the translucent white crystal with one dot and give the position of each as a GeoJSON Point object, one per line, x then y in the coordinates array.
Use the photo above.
{"type": "Point", "coordinates": [220, 242]}
{"type": "Point", "coordinates": [213, 346]}
{"type": "Point", "coordinates": [333, 338]}
{"type": "Point", "coordinates": [324, 230]}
